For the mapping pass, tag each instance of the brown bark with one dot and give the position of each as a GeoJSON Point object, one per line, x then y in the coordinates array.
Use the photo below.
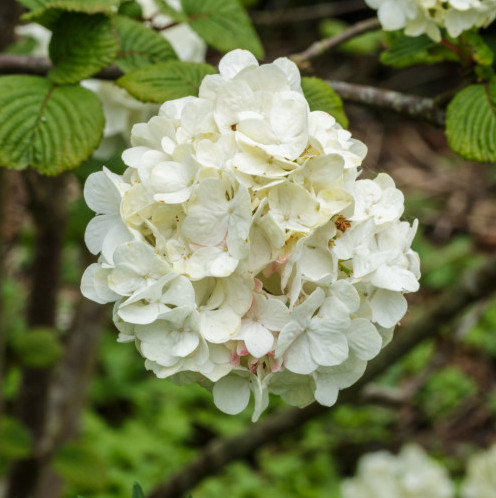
{"type": "Point", "coordinates": [48, 207]}
{"type": "Point", "coordinates": [10, 10]}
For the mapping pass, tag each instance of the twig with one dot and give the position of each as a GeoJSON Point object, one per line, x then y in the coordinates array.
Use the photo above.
{"type": "Point", "coordinates": [471, 288]}
{"type": "Point", "coordinates": [39, 66]}
{"type": "Point", "coordinates": [409, 105]}
{"type": "Point", "coordinates": [321, 46]}
{"type": "Point", "coordinates": [310, 13]}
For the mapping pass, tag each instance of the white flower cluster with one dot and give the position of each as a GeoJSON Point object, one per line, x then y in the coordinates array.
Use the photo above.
{"type": "Point", "coordinates": [428, 16]}
{"type": "Point", "coordinates": [410, 474]}
{"type": "Point", "coordinates": [240, 248]}
{"type": "Point", "coordinates": [480, 481]}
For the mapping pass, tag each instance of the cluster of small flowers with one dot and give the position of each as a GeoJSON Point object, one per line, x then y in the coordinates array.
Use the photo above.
{"type": "Point", "coordinates": [240, 248]}
{"type": "Point", "coordinates": [121, 110]}
{"type": "Point", "coordinates": [410, 474]}
{"type": "Point", "coordinates": [428, 16]}
{"type": "Point", "coordinates": [480, 481]}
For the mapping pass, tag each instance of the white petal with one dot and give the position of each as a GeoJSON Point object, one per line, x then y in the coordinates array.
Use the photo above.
{"type": "Point", "coordinates": [236, 60]}
{"type": "Point", "coordinates": [298, 358]}
{"type": "Point", "coordinates": [259, 341]}
{"type": "Point", "coordinates": [327, 347]}
{"type": "Point", "coordinates": [97, 229]}
{"type": "Point", "coordinates": [388, 307]}
{"type": "Point", "coordinates": [219, 326]}
{"type": "Point", "coordinates": [94, 285]}
{"type": "Point", "coordinates": [101, 194]}
{"type": "Point", "coordinates": [364, 339]}
{"type": "Point", "coordinates": [326, 392]}
{"type": "Point", "coordinates": [231, 394]}
{"type": "Point", "coordinates": [141, 313]}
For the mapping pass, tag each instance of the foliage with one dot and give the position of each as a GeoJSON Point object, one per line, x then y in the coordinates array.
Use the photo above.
{"type": "Point", "coordinates": [165, 81]}
{"type": "Point", "coordinates": [51, 128]}
{"type": "Point", "coordinates": [223, 24]}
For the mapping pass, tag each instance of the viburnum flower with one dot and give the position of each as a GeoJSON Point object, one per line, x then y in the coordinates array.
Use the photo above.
{"type": "Point", "coordinates": [429, 16]}
{"type": "Point", "coordinates": [410, 474]}
{"type": "Point", "coordinates": [480, 480]}
{"type": "Point", "coordinates": [248, 255]}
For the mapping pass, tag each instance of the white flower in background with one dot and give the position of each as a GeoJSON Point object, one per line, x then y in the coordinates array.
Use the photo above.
{"type": "Point", "coordinates": [410, 474]}
{"type": "Point", "coordinates": [249, 258]}
{"type": "Point", "coordinates": [39, 34]}
{"type": "Point", "coordinates": [120, 109]}
{"type": "Point", "coordinates": [429, 16]}
{"type": "Point", "coordinates": [480, 481]}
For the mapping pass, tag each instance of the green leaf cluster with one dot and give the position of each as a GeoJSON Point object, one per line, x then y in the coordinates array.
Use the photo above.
{"type": "Point", "coordinates": [53, 124]}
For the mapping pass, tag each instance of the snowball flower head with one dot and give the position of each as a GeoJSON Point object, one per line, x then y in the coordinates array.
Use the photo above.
{"type": "Point", "coordinates": [429, 16]}
{"type": "Point", "coordinates": [480, 481]}
{"type": "Point", "coordinates": [410, 474]}
{"type": "Point", "coordinates": [241, 249]}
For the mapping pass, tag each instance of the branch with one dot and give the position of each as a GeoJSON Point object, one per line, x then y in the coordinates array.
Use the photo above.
{"type": "Point", "coordinates": [10, 10]}
{"type": "Point", "coordinates": [48, 207]}
{"type": "Point", "coordinates": [472, 287]}
{"type": "Point", "coordinates": [39, 66]}
{"type": "Point", "coordinates": [310, 13]}
{"type": "Point", "coordinates": [321, 46]}
{"type": "Point", "coordinates": [408, 105]}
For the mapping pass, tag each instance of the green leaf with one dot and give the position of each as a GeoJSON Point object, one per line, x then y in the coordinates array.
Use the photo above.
{"type": "Point", "coordinates": [137, 491]}
{"type": "Point", "coordinates": [471, 122]}
{"type": "Point", "coordinates": [33, 4]}
{"type": "Point", "coordinates": [81, 46]}
{"type": "Point", "coordinates": [407, 51]}
{"type": "Point", "coordinates": [165, 81]}
{"type": "Point", "coordinates": [321, 97]}
{"type": "Point", "coordinates": [132, 9]}
{"type": "Point", "coordinates": [174, 14]}
{"type": "Point", "coordinates": [480, 51]}
{"type": "Point", "coordinates": [51, 128]}
{"type": "Point", "coordinates": [38, 7]}
{"type": "Point", "coordinates": [39, 14]}
{"type": "Point", "coordinates": [80, 465]}
{"type": "Point", "coordinates": [16, 440]}
{"type": "Point", "coordinates": [140, 46]}
{"type": "Point", "coordinates": [223, 24]}
{"type": "Point", "coordinates": [38, 348]}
